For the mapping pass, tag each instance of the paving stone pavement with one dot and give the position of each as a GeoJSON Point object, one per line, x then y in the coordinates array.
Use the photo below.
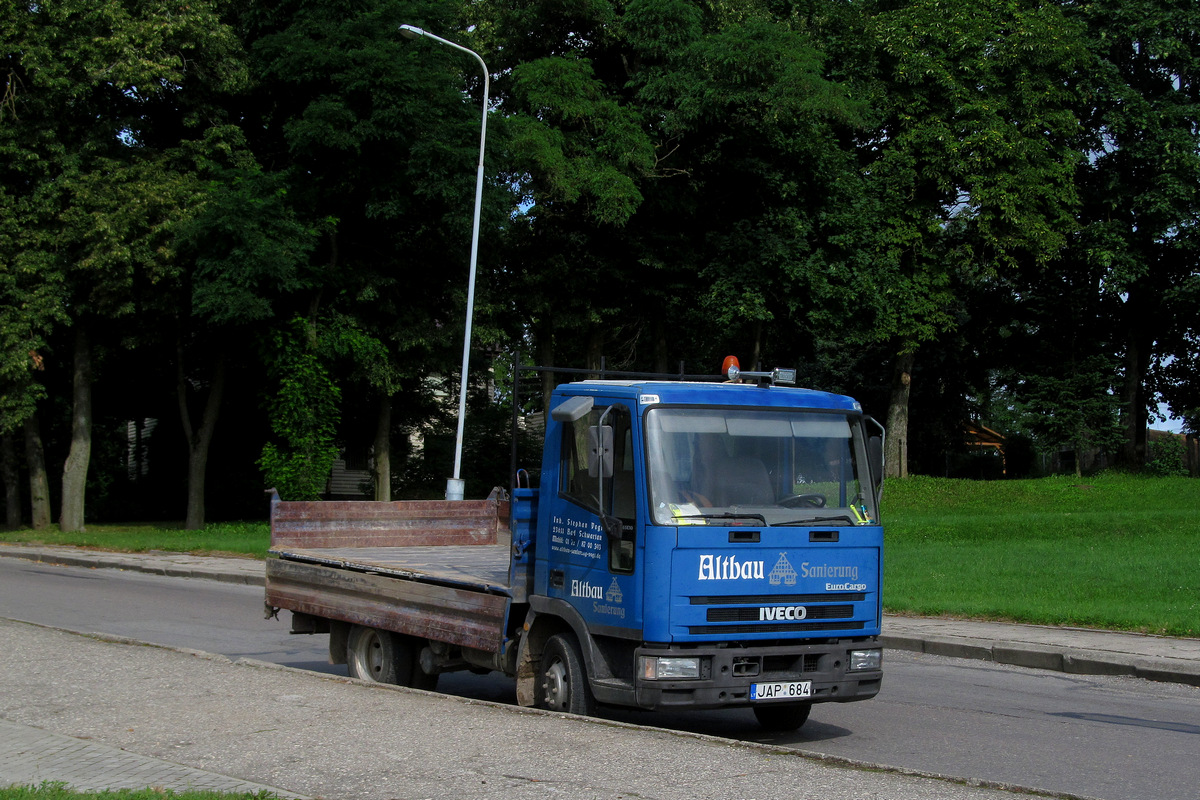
{"type": "Point", "coordinates": [30, 757]}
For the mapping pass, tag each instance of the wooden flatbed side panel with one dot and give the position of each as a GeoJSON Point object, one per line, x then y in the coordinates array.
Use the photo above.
{"type": "Point", "coordinates": [483, 568]}
{"type": "Point", "coordinates": [408, 523]}
{"type": "Point", "coordinates": [441, 613]}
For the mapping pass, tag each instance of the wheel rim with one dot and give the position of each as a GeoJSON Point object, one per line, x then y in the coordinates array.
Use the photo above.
{"type": "Point", "coordinates": [373, 655]}
{"type": "Point", "coordinates": [366, 650]}
{"type": "Point", "coordinates": [557, 693]}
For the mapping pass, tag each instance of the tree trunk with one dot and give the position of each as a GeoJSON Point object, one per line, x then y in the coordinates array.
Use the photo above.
{"type": "Point", "coordinates": [896, 443]}
{"type": "Point", "coordinates": [75, 470]}
{"type": "Point", "coordinates": [198, 441]}
{"type": "Point", "coordinates": [383, 450]}
{"type": "Point", "coordinates": [660, 346]}
{"type": "Point", "coordinates": [1139, 341]}
{"type": "Point", "coordinates": [756, 353]}
{"type": "Point", "coordinates": [12, 478]}
{"type": "Point", "coordinates": [595, 350]}
{"type": "Point", "coordinates": [39, 482]}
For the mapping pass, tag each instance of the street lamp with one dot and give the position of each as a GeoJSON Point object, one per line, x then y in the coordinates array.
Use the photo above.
{"type": "Point", "coordinates": [455, 485]}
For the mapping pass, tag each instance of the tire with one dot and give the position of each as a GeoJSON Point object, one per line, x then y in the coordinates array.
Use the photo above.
{"type": "Point", "coordinates": [416, 677]}
{"type": "Point", "coordinates": [782, 717]}
{"type": "Point", "coordinates": [385, 657]}
{"type": "Point", "coordinates": [371, 655]}
{"type": "Point", "coordinates": [563, 684]}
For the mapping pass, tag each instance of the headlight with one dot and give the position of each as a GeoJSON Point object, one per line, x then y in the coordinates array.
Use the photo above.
{"type": "Point", "coordinates": [866, 659]}
{"type": "Point", "coordinates": [663, 668]}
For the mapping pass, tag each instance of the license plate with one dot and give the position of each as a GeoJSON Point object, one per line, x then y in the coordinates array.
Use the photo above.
{"type": "Point", "coordinates": [786, 690]}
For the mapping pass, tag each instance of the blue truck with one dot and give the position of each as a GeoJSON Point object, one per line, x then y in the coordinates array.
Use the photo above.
{"type": "Point", "coordinates": [691, 545]}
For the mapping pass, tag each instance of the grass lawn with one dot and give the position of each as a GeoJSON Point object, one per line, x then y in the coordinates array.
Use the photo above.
{"type": "Point", "coordinates": [227, 538]}
{"type": "Point", "coordinates": [1111, 551]}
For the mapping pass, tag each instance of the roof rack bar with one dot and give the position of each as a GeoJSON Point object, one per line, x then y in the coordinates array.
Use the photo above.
{"type": "Point", "coordinates": [608, 373]}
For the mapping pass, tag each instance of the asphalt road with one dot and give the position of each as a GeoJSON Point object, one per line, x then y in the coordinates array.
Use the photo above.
{"type": "Point", "coordinates": [1117, 738]}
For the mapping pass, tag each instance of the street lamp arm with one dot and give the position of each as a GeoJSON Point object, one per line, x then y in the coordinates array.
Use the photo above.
{"type": "Point", "coordinates": [413, 32]}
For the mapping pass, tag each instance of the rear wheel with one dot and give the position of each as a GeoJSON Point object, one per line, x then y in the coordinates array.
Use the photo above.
{"type": "Point", "coordinates": [564, 685]}
{"type": "Point", "coordinates": [385, 657]}
{"type": "Point", "coordinates": [371, 655]}
{"type": "Point", "coordinates": [782, 716]}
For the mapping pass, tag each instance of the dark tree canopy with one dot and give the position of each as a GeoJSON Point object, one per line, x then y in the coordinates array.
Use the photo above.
{"type": "Point", "coordinates": [218, 219]}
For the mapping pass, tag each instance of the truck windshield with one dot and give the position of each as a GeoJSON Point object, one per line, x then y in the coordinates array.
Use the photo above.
{"type": "Point", "coordinates": [756, 467]}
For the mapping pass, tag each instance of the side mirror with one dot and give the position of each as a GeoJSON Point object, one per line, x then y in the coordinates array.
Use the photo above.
{"type": "Point", "coordinates": [620, 549]}
{"type": "Point", "coordinates": [600, 451]}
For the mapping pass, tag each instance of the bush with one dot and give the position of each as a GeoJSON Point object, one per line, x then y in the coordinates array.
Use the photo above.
{"type": "Point", "coordinates": [1166, 457]}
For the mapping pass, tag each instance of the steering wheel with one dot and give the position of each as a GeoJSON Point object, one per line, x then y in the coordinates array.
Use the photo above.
{"type": "Point", "coordinates": [802, 501]}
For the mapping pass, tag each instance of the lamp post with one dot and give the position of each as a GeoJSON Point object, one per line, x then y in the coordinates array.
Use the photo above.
{"type": "Point", "coordinates": [455, 485]}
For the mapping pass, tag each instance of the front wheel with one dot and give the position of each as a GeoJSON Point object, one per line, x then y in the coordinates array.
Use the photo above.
{"type": "Point", "coordinates": [564, 685]}
{"type": "Point", "coordinates": [782, 717]}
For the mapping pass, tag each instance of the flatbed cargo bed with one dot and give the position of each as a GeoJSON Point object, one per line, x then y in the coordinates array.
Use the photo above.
{"type": "Point", "coordinates": [432, 569]}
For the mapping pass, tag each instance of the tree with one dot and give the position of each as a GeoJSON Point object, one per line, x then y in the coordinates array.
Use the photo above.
{"type": "Point", "coordinates": [971, 167]}
{"type": "Point", "coordinates": [753, 178]}
{"type": "Point", "coordinates": [679, 161]}
{"type": "Point", "coordinates": [12, 489]}
{"type": "Point", "coordinates": [85, 81]}
{"type": "Point", "coordinates": [248, 253]}
{"type": "Point", "coordinates": [304, 418]}
{"type": "Point", "coordinates": [376, 142]}
{"type": "Point", "coordinates": [1141, 184]}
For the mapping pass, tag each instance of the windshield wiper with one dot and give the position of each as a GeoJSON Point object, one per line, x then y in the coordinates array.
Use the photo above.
{"type": "Point", "coordinates": [725, 515]}
{"type": "Point", "coordinates": [807, 520]}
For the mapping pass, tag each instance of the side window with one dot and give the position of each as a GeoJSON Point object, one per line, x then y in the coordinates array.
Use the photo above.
{"type": "Point", "coordinates": [575, 483]}
{"type": "Point", "coordinates": [603, 484]}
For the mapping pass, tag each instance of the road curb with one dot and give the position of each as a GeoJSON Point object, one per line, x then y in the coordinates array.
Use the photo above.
{"type": "Point", "coordinates": [1063, 659]}
{"type": "Point", "coordinates": [252, 575]}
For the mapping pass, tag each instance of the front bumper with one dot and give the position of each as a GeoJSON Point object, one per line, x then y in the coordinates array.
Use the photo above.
{"type": "Point", "coordinates": [727, 673]}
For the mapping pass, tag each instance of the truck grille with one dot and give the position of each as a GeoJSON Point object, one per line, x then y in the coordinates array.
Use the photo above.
{"type": "Point", "coordinates": [775, 599]}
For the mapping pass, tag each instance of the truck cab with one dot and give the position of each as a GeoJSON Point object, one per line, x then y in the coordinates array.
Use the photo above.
{"type": "Point", "coordinates": [702, 545]}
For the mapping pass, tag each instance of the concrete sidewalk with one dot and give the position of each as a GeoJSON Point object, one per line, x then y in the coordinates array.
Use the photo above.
{"type": "Point", "coordinates": [154, 717]}
{"type": "Point", "coordinates": [1074, 650]}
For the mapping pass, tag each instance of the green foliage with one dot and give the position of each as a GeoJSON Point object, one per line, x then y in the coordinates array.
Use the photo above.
{"type": "Point", "coordinates": [576, 141]}
{"type": "Point", "coordinates": [248, 247]}
{"type": "Point", "coordinates": [1071, 407]}
{"type": "Point", "coordinates": [975, 171]}
{"type": "Point", "coordinates": [1141, 185]}
{"type": "Point", "coordinates": [1167, 457]}
{"type": "Point", "coordinates": [99, 148]}
{"type": "Point", "coordinates": [304, 418]}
